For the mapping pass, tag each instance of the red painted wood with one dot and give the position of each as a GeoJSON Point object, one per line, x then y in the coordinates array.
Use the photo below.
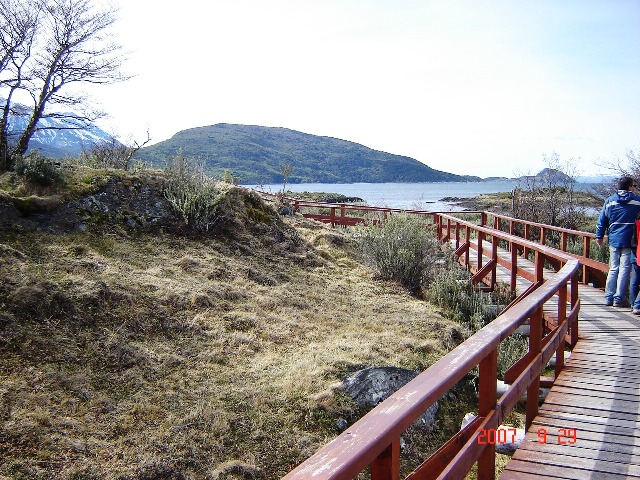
{"type": "Point", "coordinates": [387, 465]}
{"type": "Point", "coordinates": [367, 442]}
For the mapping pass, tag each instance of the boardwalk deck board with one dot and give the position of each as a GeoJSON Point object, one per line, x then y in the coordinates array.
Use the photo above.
{"type": "Point", "coordinates": [598, 394]}
{"type": "Point", "coordinates": [593, 418]}
{"type": "Point", "coordinates": [597, 384]}
{"type": "Point", "coordinates": [586, 410]}
{"type": "Point", "coordinates": [570, 468]}
{"type": "Point", "coordinates": [586, 371]}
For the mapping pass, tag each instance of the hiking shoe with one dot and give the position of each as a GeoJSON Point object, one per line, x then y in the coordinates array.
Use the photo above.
{"type": "Point", "coordinates": [622, 304]}
{"type": "Point", "coordinates": [608, 303]}
{"type": "Point", "coordinates": [636, 311]}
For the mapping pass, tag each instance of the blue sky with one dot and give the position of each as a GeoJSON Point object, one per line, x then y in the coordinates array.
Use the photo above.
{"type": "Point", "coordinates": [484, 87]}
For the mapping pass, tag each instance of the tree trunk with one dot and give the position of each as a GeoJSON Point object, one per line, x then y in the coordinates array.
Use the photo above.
{"type": "Point", "coordinates": [25, 138]}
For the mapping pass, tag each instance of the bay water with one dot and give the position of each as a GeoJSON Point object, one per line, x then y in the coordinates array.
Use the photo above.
{"type": "Point", "coordinates": [418, 196]}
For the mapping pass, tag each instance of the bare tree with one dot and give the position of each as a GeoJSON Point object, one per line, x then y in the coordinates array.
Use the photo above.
{"type": "Point", "coordinates": [65, 43]}
{"type": "Point", "coordinates": [18, 21]}
{"type": "Point", "coordinates": [550, 196]}
{"type": "Point", "coordinates": [287, 168]}
{"type": "Point", "coordinates": [112, 153]}
{"type": "Point", "coordinates": [629, 166]}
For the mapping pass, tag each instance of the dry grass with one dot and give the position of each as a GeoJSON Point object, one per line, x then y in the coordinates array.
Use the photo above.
{"type": "Point", "coordinates": [156, 356]}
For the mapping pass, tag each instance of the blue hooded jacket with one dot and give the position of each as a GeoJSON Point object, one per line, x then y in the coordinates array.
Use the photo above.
{"type": "Point", "coordinates": [617, 218]}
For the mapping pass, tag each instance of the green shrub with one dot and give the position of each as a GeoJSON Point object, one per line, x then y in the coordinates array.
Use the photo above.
{"type": "Point", "coordinates": [453, 291]}
{"type": "Point", "coordinates": [511, 349]}
{"type": "Point", "coordinates": [401, 248]}
{"type": "Point", "coordinates": [39, 170]}
{"type": "Point", "coordinates": [227, 176]}
{"type": "Point", "coordinates": [191, 193]}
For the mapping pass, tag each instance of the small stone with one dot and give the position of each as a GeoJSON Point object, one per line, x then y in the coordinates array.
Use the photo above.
{"type": "Point", "coordinates": [341, 424]}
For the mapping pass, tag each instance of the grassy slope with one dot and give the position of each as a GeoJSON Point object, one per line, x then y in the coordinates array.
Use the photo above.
{"type": "Point", "coordinates": [155, 356]}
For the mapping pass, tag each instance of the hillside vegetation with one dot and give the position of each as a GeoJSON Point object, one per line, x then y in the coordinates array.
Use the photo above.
{"type": "Point", "coordinates": [134, 348]}
{"type": "Point", "coordinates": [257, 154]}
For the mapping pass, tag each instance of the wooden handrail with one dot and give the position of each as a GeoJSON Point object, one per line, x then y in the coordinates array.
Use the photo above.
{"type": "Point", "coordinates": [360, 445]}
{"type": "Point", "coordinates": [375, 439]}
{"type": "Point", "coordinates": [541, 225]}
{"type": "Point", "coordinates": [592, 270]}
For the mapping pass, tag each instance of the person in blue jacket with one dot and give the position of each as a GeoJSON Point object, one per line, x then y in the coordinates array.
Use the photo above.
{"type": "Point", "coordinates": [617, 220]}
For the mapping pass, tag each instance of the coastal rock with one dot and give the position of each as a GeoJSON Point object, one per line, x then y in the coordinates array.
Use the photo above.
{"type": "Point", "coordinates": [132, 203]}
{"type": "Point", "coordinates": [371, 386]}
{"type": "Point", "coordinates": [9, 213]}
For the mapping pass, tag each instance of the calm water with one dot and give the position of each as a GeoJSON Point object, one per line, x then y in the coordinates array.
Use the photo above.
{"type": "Point", "coordinates": [419, 196]}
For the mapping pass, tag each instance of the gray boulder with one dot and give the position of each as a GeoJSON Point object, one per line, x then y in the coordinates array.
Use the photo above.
{"type": "Point", "coordinates": [370, 386]}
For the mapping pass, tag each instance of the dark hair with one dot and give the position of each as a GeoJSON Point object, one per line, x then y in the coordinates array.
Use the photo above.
{"type": "Point", "coordinates": [625, 183]}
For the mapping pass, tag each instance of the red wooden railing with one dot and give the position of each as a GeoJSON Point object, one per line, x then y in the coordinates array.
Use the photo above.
{"type": "Point", "coordinates": [374, 441]}
{"type": "Point", "coordinates": [350, 215]}
{"type": "Point", "coordinates": [591, 269]}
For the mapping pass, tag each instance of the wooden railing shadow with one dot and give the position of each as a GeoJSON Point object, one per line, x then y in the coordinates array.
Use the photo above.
{"type": "Point", "coordinates": [374, 441]}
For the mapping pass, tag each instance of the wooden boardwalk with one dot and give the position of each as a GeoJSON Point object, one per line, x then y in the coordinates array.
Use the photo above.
{"type": "Point", "coordinates": [589, 424]}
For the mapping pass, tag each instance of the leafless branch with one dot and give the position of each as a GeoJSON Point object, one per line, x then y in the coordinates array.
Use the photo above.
{"type": "Point", "coordinates": [45, 47]}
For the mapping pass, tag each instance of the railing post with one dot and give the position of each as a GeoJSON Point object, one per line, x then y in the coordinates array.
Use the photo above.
{"type": "Point", "coordinates": [527, 236]}
{"type": "Point", "coordinates": [494, 257]}
{"type": "Point", "coordinates": [574, 302]}
{"type": "Point", "coordinates": [457, 235]}
{"type": "Point", "coordinates": [543, 236]}
{"type": "Point", "coordinates": [387, 465]}
{"type": "Point", "coordinates": [342, 214]}
{"type": "Point", "coordinates": [467, 252]}
{"type": "Point", "coordinates": [481, 235]}
{"type": "Point", "coordinates": [539, 266]}
{"type": "Point", "coordinates": [563, 241]}
{"type": "Point", "coordinates": [483, 219]}
{"type": "Point", "coordinates": [487, 395]}
{"type": "Point", "coordinates": [514, 267]}
{"type": "Point", "coordinates": [333, 216]}
{"type": "Point", "coordinates": [296, 206]}
{"type": "Point", "coordinates": [535, 342]}
{"type": "Point", "coordinates": [562, 317]}
{"type": "Point", "coordinates": [586, 251]}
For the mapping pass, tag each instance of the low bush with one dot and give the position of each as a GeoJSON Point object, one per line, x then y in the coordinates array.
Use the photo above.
{"type": "Point", "coordinates": [511, 349]}
{"type": "Point", "coordinates": [452, 290]}
{"type": "Point", "coordinates": [39, 170]}
{"type": "Point", "coordinates": [401, 248]}
{"type": "Point", "coordinates": [191, 193]}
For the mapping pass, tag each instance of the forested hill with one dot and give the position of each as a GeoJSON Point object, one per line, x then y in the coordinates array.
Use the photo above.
{"type": "Point", "coordinates": [257, 154]}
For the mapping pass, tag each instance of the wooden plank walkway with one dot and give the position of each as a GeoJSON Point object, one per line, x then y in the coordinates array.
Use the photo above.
{"type": "Point", "coordinates": [591, 417]}
{"type": "Point", "coordinates": [589, 424]}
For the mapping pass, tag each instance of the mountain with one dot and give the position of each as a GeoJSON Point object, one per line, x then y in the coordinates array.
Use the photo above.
{"type": "Point", "coordinates": [54, 141]}
{"type": "Point", "coordinates": [548, 176]}
{"type": "Point", "coordinates": [257, 154]}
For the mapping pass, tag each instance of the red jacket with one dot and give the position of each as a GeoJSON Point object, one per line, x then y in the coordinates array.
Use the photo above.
{"type": "Point", "coordinates": [637, 243]}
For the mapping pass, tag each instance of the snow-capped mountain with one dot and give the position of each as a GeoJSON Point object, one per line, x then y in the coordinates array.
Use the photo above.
{"type": "Point", "coordinates": [54, 141]}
